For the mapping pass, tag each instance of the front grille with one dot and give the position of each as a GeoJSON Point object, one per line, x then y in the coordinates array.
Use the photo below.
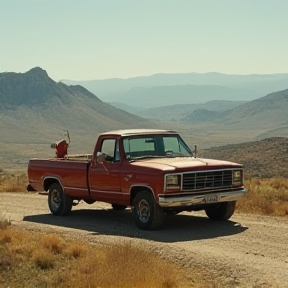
{"type": "Point", "coordinates": [207, 180]}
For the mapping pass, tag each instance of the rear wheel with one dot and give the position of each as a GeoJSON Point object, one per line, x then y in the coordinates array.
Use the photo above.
{"type": "Point", "coordinates": [221, 211]}
{"type": "Point", "coordinates": [147, 214]}
{"type": "Point", "coordinates": [59, 203]}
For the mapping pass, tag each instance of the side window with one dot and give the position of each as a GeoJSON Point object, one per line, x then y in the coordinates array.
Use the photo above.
{"type": "Point", "coordinates": [108, 147]}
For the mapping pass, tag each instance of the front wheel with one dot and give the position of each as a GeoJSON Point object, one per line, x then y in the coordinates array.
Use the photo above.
{"type": "Point", "coordinates": [221, 211]}
{"type": "Point", "coordinates": [59, 203]}
{"type": "Point", "coordinates": [147, 214]}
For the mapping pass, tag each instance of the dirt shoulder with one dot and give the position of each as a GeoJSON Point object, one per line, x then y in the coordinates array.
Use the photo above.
{"type": "Point", "coordinates": [248, 251]}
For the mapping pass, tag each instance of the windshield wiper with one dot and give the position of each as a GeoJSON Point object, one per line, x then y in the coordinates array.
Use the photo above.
{"type": "Point", "coordinates": [147, 156]}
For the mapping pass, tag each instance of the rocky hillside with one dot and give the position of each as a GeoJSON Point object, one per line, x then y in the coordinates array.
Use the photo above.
{"type": "Point", "coordinates": [33, 102]}
{"type": "Point", "coordinates": [34, 111]}
{"type": "Point", "coordinates": [268, 114]}
{"type": "Point", "coordinates": [264, 159]}
{"type": "Point", "coordinates": [268, 110]}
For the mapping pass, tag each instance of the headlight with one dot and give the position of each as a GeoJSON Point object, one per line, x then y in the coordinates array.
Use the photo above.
{"type": "Point", "coordinates": [173, 181]}
{"type": "Point", "coordinates": [237, 177]}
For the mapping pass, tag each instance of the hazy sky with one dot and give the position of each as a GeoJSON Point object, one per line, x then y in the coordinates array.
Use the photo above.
{"type": "Point", "coordinates": [97, 39]}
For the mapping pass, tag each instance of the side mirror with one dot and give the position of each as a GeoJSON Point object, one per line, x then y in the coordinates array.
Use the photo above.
{"type": "Point", "coordinates": [100, 157]}
{"type": "Point", "coordinates": [195, 151]}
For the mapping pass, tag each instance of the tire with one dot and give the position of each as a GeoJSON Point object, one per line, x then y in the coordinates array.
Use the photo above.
{"type": "Point", "coordinates": [147, 214]}
{"type": "Point", "coordinates": [59, 203]}
{"type": "Point", "coordinates": [222, 211]}
{"type": "Point", "coordinates": [89, 201]}
{"type": "Point", "coordinates": [118, 207]}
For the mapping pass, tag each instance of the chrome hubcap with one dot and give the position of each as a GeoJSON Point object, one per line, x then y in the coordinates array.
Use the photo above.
{"type": "Point", "coordinates": [55, 199]}
{"type": "Point", "coordinates": [143, 211]}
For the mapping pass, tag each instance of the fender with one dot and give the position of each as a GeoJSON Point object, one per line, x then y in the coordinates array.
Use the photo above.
{"type": "Point", "coordinates": [50, 177]}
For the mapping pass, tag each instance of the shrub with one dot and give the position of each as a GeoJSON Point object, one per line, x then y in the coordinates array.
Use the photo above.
{"type": "Point", "coordinates": [4, 223]}
{"type": "Point", "coordinates": [75, 249]}
{"type": "Point", "coordinates": [43, 259]}
{"type": "Point", "coordinates": [52, 242]}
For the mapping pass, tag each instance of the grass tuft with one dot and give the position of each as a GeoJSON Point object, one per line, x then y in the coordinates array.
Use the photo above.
{"type": "Point", "coordinates": [76, 250]}
{"type": "Point", "coordinates": [43, 259]}
{"type": "Point", "coordinates": [52, 242]}
{"type": "Point", "coordinates": [4, 223]}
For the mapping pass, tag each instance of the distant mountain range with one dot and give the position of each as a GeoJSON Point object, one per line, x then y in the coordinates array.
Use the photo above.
{"type": "Point", "coordinates": [182, 112]}
{"type": "Point", "coordinates": [33, 107]}
{"type": "Point", "coordinates": [34, 111]}
{"type": "Point", "coordinates": [186, 88]}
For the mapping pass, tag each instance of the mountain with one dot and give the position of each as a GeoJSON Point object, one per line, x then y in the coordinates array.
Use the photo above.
{"type": "Point", "coordinates": [180, 111]}
{"type": "Point", "coordinates": [249, 87]}
{"type": "Point", "coordinates": [180, 94]}
{"type": "Point", "coordinates": [265, 158]}
{"type": "Point", "coordinates": [269, 113]}
{"type": "Point", "coordinates": [34, 111]}
{"type": "Point", "coordinates": [57, 104]}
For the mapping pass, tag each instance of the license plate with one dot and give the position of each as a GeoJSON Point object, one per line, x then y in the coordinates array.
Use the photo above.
{"type": "Point", "coordinates": [211, 198]}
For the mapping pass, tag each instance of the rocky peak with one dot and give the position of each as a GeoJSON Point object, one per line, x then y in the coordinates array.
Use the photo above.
{"type": "Point", "coordinates": [37, 71]}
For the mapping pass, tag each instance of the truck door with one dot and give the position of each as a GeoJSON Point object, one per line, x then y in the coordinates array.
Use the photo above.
{"type": "Point", "coordinates": [104, 178]}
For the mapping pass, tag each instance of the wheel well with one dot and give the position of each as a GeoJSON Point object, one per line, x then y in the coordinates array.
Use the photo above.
{"type": "Point", "coordinates": [48, 182]}
{"type": "Point", "coordinates": [136, 189]}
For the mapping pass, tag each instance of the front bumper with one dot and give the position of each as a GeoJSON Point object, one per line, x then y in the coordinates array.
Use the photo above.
{"type": "Point", "coordinates": [167, 201]}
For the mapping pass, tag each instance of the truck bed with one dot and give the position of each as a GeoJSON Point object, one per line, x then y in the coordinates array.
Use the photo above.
{"type": "Point", "coordinates": [70, 172]}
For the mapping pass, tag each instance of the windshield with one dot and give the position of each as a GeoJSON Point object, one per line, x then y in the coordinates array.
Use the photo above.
{"type": "Point", "coordinates": [150, 146]}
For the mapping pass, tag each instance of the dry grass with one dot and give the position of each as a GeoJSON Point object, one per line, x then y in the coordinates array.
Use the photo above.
{"type": "Point", "coordinates": [35, 260]}
{"type": "Point", "coordinates": [13, 182]}
{"type": "Point", "coordinates": [266, 197]}
{"type": "Point", "coordinates": [48, 260]}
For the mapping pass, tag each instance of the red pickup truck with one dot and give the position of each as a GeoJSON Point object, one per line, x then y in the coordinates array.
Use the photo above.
{"type": "Point", "coordinates": [152, 171]}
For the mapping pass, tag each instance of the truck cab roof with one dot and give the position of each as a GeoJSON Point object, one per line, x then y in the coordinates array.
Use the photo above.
{"type": "Point", "coordinates": [127, 132]}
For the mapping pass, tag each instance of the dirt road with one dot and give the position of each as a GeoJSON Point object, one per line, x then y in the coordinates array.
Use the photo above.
{"type": "Point", "coordinates": [248, 251]}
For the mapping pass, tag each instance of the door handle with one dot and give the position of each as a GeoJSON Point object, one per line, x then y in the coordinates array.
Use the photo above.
{"type": "Point", "coordinates": [128, 177]}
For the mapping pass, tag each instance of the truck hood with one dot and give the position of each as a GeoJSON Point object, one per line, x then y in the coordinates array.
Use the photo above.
{"type": "Point", "coordinates": [184, 163]}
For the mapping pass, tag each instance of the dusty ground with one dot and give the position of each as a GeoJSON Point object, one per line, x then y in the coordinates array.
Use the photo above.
{"type": "Point", "coordinates": [248, 251]}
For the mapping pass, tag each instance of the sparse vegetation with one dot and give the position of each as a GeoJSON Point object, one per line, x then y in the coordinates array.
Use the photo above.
{"type": "Point", "coordinates": [266, 197]}
{"type": "Point", "coordinates": [13, 182]}
{"type": "Point", "coordinates": [36, 260]}
{"type": "Point", "coordinates": [264, 159]}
